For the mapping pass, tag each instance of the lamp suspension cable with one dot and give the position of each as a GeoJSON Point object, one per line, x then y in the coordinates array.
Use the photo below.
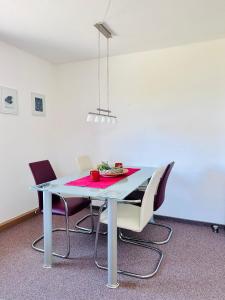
{"type": "Point", "coordinates": [99, 69]}
{"type": "Point", "coordinates": [107, 10]}
{"type": "Point", "coordinates": [107, 69]}
{"type": "Point", "coordinates": [103, 115]}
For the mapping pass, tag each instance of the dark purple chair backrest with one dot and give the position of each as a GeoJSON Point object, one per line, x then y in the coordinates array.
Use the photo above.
{"type": "Point", "coordinates": [42, 172]}
{"type": "Point", "coordinates": [160, 196]}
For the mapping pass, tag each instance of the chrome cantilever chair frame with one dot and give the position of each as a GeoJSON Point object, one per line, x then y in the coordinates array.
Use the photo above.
{"type": "Point", "coordinates": [89, 230]}
{"type": "Point", "coordinates": [90, 215]}
{"type": "Point", "coordinates": [85, 163]}
{"type": "Point", "coordinates": [67, 230]}
{"type": "Point", "coordinates": [152, 221]}
{"type": "Point", "coordinates": [170, 232]}
{"type": "Point", "coordinates": [132, 242]}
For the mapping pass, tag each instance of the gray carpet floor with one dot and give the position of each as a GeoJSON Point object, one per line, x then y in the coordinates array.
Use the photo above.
{"type": "Point", "coordinates": [193, 265]}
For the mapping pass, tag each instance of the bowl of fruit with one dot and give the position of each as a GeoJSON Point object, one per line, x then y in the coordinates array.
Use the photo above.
{"type": "Point", "coordinates": [107, 171]}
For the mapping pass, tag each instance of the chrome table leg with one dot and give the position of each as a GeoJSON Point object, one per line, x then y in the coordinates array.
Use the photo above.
{"type": "Point", "coordinates": [47, 213]}
{"type": "Point", "coordinates": [112, 244]}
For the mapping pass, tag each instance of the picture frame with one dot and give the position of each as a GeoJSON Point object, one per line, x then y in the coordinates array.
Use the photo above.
{"type": "Point", "coordinates": [8, 100]}
{"type": "Point", "coordinates": [38, 104]}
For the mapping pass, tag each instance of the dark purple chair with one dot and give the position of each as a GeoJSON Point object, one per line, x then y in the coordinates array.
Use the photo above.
{"type": "Point", "coordinates": [160, 196]}
{"type": "Point", "coordinates": [43, 172]}
{"type": "Point", "coordinates": [158, 201]}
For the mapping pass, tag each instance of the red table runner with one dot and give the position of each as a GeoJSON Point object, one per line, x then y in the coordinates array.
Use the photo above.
{"type": "Point", "coordinates": [103, 183]}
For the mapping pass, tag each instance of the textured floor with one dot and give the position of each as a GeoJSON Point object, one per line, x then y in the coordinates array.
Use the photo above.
{"type": "Point", "coordinates": [193, 266]}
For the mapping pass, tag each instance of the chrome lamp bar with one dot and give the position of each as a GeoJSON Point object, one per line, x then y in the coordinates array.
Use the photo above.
{"type": "Point", "coordinates": [104, 30]}
{"type": "Point", "coordinates": [102, 115]}
{"type": "Point", "coordinates": [101, 118]}
{"type": "Point", "coordinates": [104, 110]}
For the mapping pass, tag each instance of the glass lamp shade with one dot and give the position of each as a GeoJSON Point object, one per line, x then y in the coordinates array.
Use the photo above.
{"type": "Point", "coordinates": [113, 120]}
{"type": "Point", "coordinates": [100, 118]}
{"type": "Point", "coordinates": [89, 118]}
{"type": "Point", "coordinates": [96, 119]}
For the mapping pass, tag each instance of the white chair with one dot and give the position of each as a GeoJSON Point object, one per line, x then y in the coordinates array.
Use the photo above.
{"type": "Point", "coordinates": [84, 163]}
{"type": "Point", "coordinates": [134, 218]}
{"type": "Point", "coordinates": [158, 201]}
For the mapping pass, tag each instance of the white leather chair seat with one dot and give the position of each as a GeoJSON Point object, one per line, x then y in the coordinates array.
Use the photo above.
{"type": "Point", "coordinates": [128, 217]}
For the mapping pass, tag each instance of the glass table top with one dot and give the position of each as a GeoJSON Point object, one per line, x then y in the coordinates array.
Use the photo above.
{"type": "Point", "coordinates": [118, 191]}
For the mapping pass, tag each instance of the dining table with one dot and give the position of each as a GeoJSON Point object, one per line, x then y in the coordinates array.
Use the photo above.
{"type": "Point", "coordinates": [113, 194]}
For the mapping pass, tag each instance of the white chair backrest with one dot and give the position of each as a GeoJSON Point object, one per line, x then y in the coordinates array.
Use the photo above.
{"type": "Point", "coordinates": [149, 196]}
{"type": "Point", "coordinates": [84, 163]}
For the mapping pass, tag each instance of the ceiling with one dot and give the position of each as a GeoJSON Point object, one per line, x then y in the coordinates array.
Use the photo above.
{"type": "Point", "coordinates": [62, 30]}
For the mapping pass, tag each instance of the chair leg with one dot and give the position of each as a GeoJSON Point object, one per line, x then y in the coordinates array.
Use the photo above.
{"type": "Point", "coordinates": [90, 215]}
{"type": "Point", "coordinates": [170, 232]}
{"type": "Point", "coordinates": [67, 230]}
{"type": "Point", "coordinates": [144, 276]}
{"type": "Point", "coordinates": [85, 229]}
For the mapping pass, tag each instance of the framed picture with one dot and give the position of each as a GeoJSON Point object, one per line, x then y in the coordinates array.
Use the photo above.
{"type": "Point", "coordinates": [8, 101]}
{"type": "Point", "coordinates": [38, 104]}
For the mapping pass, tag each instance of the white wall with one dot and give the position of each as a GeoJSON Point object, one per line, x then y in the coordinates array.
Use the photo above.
{"type": "Point", "coordinates": [171, 106]}
{"type": "Point", "coordinates": [23, 138]}
{"type": "Point", "coordinates": [76, 96]}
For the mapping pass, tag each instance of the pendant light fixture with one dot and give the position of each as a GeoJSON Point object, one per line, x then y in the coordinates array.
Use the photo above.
{"type": "Point", "coordinates": [102, 115]}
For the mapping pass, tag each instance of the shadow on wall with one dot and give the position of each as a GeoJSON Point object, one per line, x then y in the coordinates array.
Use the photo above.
{"type": "Point", "coordinates": [196, 187]}
{"type": "Point", "coordinates": [196, 195]}
{"type": "Point", "coordinates": [159, 134]}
